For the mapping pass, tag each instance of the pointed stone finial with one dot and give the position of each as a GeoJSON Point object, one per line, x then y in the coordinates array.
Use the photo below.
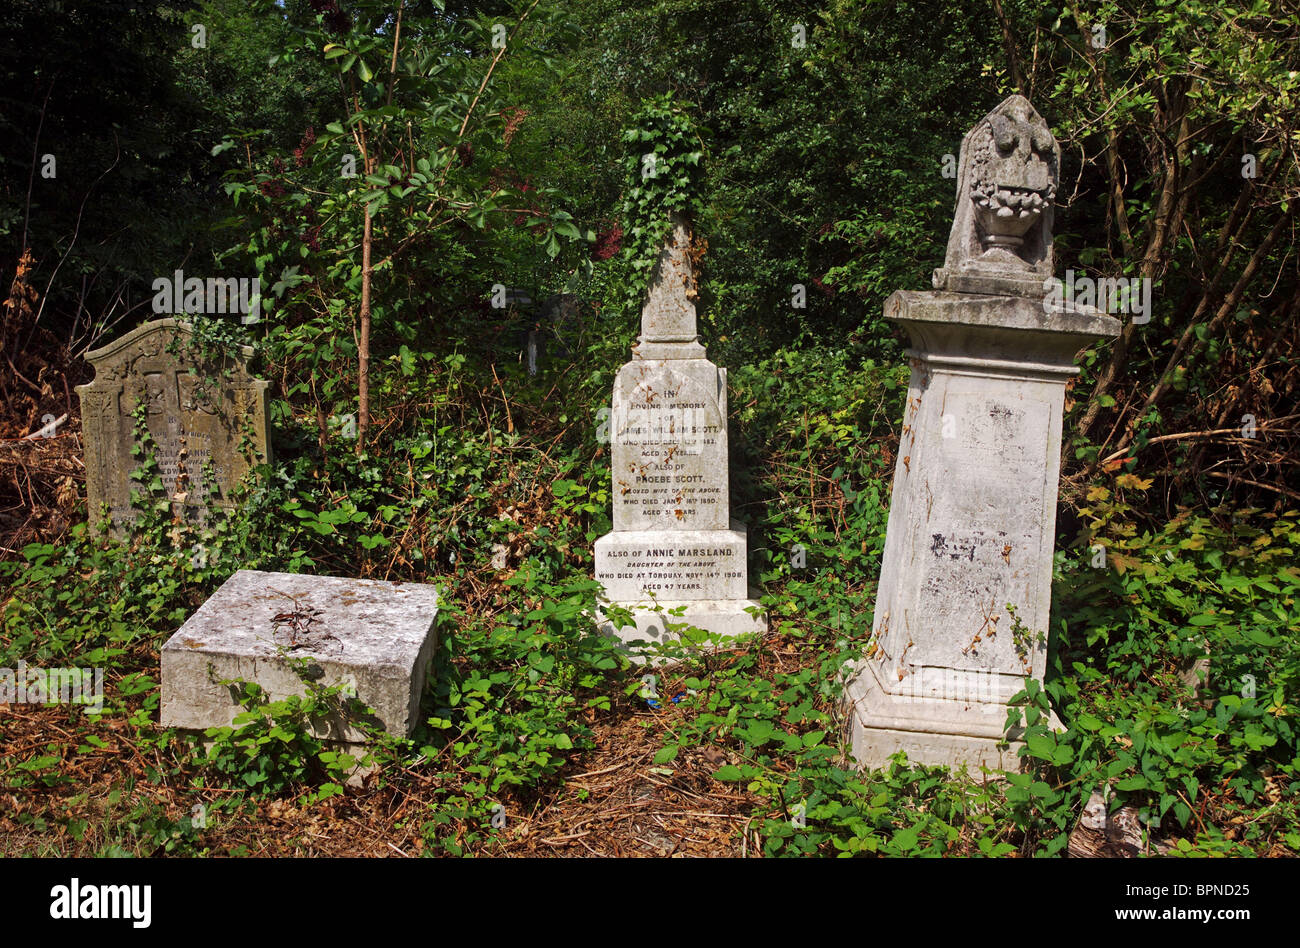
{"type": "Point", "coordinates": [668, 316]}
{"type": "Point", "coordinates": [1001, 240]}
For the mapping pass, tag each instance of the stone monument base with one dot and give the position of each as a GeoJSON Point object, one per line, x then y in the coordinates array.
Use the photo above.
{"type": "Point", "coordinates": [932, 724]}
{"type": "Point", "coordinates": [726, 618]}
{"type": "Point", "coordinates": [677, 564]}
{"type": "Point", "coordinates": [653, 573]}
{"type": "Point", "coordinates": [375, 637]}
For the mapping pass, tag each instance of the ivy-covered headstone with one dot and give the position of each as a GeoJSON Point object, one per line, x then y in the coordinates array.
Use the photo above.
{"type": "Point", "coordinates": [674, 542]}
{"type": "Point", "coordinates": [195, 415]}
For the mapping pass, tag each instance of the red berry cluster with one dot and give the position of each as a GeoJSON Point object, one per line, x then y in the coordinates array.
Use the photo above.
{"type": "Point", "coordinates": [300, 153]}
{"type": "Point", "coordinates": [272, 188]}
{"type": "Point", "coordinates": [608, 243]}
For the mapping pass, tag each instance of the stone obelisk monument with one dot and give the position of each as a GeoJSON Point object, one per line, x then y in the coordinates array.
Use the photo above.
{"type": "Point", "coordinates": [962, 608]}
{"type": "Point", "coordinates": [674, 543]}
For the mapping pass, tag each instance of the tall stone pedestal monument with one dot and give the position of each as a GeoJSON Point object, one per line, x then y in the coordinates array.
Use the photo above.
{"type": "Point", "coordinates": [674, 542]}
{"type": "Point", "coordinates": [965, 588]}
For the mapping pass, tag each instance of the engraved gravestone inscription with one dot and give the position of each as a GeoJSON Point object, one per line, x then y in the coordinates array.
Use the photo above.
{"type": "Point", "coordinates": [195, 426]}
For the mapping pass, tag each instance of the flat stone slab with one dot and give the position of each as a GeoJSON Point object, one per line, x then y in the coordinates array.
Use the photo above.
{"type": "Point", "coordinates": [377, 637]}
{"type": "Point", "coordinates": [1001, 312]}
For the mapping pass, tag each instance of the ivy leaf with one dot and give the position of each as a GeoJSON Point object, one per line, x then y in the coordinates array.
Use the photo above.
{"type": "Point", "coordinates": [1133, 481]}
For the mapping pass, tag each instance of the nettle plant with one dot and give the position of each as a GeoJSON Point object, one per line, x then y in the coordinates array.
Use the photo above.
{"type": "Point", "coordinates": [513, 697]}
{"type": "Point", "coordinates": [273, 745]}
{"type": "Point", "coordinates": [1175, 674]}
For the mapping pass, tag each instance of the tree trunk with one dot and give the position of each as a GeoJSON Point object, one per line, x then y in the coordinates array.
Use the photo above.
{"type": "Point", "coordinates": [1171, 201]}
{"type": "Point", "coordinates": [363, 346]}
{"type": "Point", "coordinates": [1187, 343]}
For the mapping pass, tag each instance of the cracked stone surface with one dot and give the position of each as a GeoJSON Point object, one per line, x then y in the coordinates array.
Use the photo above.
{"type": "Point", "coordinates": [374, 636]}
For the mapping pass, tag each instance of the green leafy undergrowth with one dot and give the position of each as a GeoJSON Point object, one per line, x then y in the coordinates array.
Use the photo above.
{"type": "Point", "coordinates": [1209, 764]}
{"type": "Point", "coordinates": [1176, 666]}
{"type": "Point", "coordinates": [513, 697]}
{"type": "Point", "coordinates": [274, 746]}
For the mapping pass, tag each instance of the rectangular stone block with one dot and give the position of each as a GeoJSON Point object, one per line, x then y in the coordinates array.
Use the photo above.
{"type": "Point", "coordinates": [678, 564]}
{"type": "Point", "coordinates": [375, 637]}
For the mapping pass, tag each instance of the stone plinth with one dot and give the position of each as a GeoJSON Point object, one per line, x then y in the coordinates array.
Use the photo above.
{"type": "Point", "coordinates": [971, 526]}
{"type": "Point", "coordinates": [653, 572]}
{"type": "Point", "coordinates": [730, 619]}
{"type": "Point", "coordinates": [677, 564]}
{"type": "Point", "coordinates": [376, 637]}
{"type": "Point", "coordinates": [196, 426]}
{"type": "Point", "coordinates": [674, 542]}
{"type": "Point", "coordinates": [965, 589]}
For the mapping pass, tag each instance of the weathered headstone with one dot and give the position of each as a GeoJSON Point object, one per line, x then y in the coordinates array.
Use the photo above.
{"type": "Point", "coordinates": [674, 542]}
{"type": "Point", "coordinates": [196, 424]}
{"type": "Point", "coordinates": [965, 588]}
{"type": "Point", "coordinates": [374, 638]}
